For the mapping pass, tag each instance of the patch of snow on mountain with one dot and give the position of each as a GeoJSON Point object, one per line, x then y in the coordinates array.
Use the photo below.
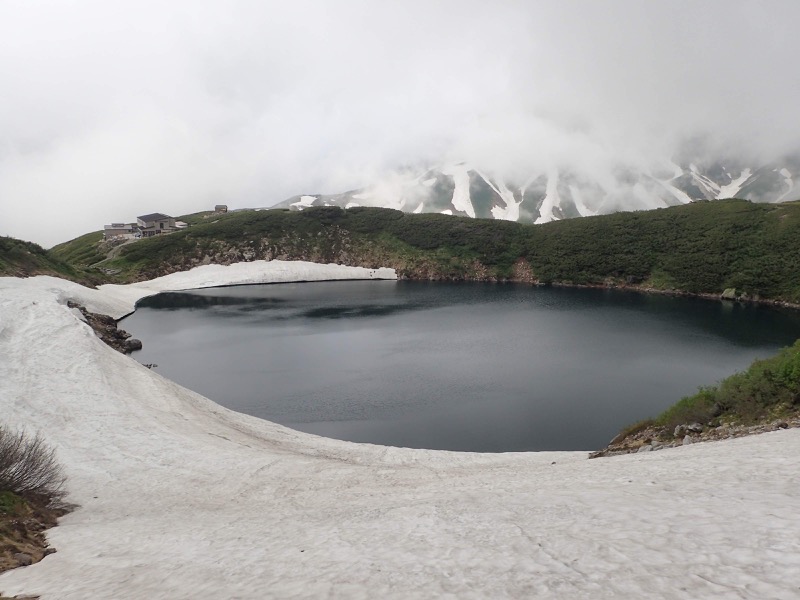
{"type": "Point", "coordinates": [577, 198]}
{"type": "Point", "coordinates": [704, 182]}
{"type": "Point", "coordinates": [461, 200]}
{"type": "Point", "coordinates": [551, 199]}
{"type": "Point", "coordinates": [396, 191]}
{"type": "Point", "coordinates": [679, 194]}
{"type": "Point", "coordinates": [429, 182]}
{"type": "Point", "coordinates": [352, 205]}
{"type": "Point", "coordinates": [787, 179]}
{"type": "Point", "coordinates": [511, 210]}
{"type": "Point", "coordinates": [304, 202]}
{"type": "Point", "coordinates": [730, 190]}
{"type": "Point", "coordinates": [419, 208]}
{"type": "Point", "coordinates": [447, 211]}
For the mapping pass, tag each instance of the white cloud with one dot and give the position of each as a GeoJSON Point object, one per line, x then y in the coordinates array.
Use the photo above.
{"type": "Point", "coordinates": [113, 109]}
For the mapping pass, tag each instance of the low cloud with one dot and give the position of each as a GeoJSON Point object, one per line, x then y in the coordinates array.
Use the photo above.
{"type": "Point", "coordinates": [110, 110]}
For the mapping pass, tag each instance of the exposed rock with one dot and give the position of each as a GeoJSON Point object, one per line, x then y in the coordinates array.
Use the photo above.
{"type": "Point", "coordinates": [645, 448]}
{"type": "Point", "coordinates": [618, 438]}
{"type": "Point", "coordinates": [132, 344]}
{"type": "Point", "coordinates": [23, 559]}
{"type": "Point", "coordinates": [106, 329]}
{"type": "Point", "coordinates": [729, 294]}
{"type": "Point", "coordinates": [660, 438]}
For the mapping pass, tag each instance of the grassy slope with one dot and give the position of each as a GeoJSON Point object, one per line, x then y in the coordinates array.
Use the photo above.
{"type": "Point", "coordinates": [87, 250]}
{"type": "Point", "coordinates": [699, 248]}
{"type": "Point", "coordinates": [24, 259]}
{"type": "Point", "coordinates": [81, 252]}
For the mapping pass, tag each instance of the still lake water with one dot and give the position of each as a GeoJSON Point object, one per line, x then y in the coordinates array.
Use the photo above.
{"type": "Point", "coordinates": [454, 366]}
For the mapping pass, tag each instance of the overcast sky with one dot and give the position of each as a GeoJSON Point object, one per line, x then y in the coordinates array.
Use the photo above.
{"type": "Point", "coordinates": [112, 109]}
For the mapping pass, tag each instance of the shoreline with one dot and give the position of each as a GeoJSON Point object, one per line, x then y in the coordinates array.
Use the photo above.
{"type": "Point", "coordinates": [654, 437]}
{"type": "Point", "coordinates": [682, 294]}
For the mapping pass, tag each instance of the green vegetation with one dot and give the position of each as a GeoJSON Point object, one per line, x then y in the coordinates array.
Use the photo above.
{"type": "Point", "coordinates": [196, 218]}
{"type": "Point", "coordinates": [10, 503]}
{"type": "Point", "coordinates": [768, 389]}
{"type": "Point", "coordinates": [24, 259]}
{"type": "Point", "coordinates": [705, 247]}
{"type": "Point", "coordinates": [82, 252]}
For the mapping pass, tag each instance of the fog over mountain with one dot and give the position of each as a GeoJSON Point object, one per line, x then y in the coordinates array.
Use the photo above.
{"type": "Point", "coordinates": [110, 110]}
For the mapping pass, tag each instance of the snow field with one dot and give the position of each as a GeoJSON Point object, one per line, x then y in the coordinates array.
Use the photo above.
{"type": "Point", "coordinates": [181, 498]}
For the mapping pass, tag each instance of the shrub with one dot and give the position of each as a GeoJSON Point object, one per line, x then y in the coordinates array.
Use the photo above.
{"type": "Point", "coordinates": [696, 408]}
{"type": "Point", "coordinates": [768, 387]}
{"type": "Point", "coordinates": [28, 466]}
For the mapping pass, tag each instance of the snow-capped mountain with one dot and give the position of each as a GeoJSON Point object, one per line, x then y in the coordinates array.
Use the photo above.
{"type": "Point", "coordinates": [464, 189]}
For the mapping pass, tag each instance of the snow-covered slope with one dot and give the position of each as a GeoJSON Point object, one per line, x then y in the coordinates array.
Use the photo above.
{"type": "Point", "coordinates": [553, 194]}
{"type": "Point", "coordinates": [181, 498]}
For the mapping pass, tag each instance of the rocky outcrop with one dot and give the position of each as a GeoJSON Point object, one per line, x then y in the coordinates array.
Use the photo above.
{"type": "Point", "coordinates": [106, 329]}
{"type": "Point", "coordinates": [335, 245]}
{"type": "Point", "coordinates": [659, 438]}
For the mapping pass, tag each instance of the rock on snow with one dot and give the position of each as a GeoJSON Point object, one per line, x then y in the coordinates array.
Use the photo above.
{"type": "Point", "coordinates": [181, 498]}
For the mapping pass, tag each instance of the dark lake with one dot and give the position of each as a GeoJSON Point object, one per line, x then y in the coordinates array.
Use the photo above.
{"type": "Point", "coordinates": [455, 366]}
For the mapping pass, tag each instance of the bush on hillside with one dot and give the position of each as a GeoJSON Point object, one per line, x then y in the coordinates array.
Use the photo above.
{"type": "Point", "coordinates": [28, 466]}
{"type": "Point", "coordinates": [768, 387]}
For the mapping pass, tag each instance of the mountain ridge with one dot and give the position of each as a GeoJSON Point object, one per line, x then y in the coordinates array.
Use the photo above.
{"type": "Point", "coordinates": [703, 248]}
{"type": "Point", "coordinates": [556, 194]}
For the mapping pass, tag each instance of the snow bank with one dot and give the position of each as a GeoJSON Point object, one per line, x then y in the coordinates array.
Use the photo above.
{"type": "Point", "coordinates": [181, 498]}
{"type": "Point", "coordinates": [550, 201]}
{"type": "Point", "coordinates": [730, 190]}
{"type": "Point", "coordinates": [461, 198]}
{"type": "Point", "coordinates": [304, 202]}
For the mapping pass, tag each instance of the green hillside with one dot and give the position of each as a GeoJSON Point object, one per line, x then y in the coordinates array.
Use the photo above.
{"type": "Point", "coordinates": [24, 259]}
{"type": "Point", "coordinates": [81, 252]}
{"type": "Point", "coordinates": [705, 247]}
